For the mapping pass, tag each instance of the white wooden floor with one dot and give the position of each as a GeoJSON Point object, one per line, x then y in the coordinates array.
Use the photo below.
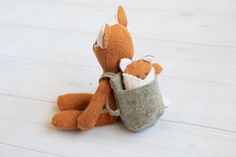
{"type": "Point", "coordinates": [45, 51]}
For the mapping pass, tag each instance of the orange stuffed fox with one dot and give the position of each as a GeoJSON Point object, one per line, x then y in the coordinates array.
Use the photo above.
{"type": "Point", "coordinates": [114, 51]}
{"type": "Point", "coordinates": [83, 110]}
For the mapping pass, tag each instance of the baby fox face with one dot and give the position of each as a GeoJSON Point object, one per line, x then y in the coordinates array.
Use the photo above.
{"type": "Point", "coordinates": [113, 43]}
{"type": "Point", "coordinates": [140, 72]}
{"type": "Point", "coordinates": [140, 68]}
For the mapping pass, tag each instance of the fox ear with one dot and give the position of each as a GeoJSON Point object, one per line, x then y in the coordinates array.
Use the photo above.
{"type": "Point", "coordinates": [124, 62]}
{"type": "Point", "coordinates": [103, 36]}
{"type": "Point", "coordinates": [158, 68]}
{"type": "Point", "coordinates": [121, 17]}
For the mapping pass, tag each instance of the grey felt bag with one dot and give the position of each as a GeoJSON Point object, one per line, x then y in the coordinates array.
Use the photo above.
{"type": "Point", "coordinates": [138, 108]}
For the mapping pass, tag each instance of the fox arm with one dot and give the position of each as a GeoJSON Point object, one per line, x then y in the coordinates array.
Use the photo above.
{"type": "Point", "coordinates": [88, 118]}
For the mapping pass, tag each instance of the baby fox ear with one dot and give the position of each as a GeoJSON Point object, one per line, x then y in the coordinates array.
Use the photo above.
{"type": "Point", "coordinates": [103, 36]}
{"type": "Point", "coordinates": [124, 62]}
{"type": "Point", "coordinates": [158, 68]}
{"type": "Point", "coordinates": [121, 17]}
{"type": "Point", "coordinates": [149, 58]}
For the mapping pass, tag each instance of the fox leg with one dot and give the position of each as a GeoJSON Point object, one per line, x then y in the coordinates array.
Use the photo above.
{"type": "Point", "coordinates": [67, 120]}
{"type": "Point", "coordinates": [105, 119]}
{"type": "Point", "coordinates": [74, 101]}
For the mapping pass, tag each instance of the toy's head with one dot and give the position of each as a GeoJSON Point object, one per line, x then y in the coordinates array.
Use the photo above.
{"type": "Point", "coordinates": [140, 68]}
{"type": "Point", "coordinates": [140, 72]}
{"type": "Point", "coordinates": [114, 42]}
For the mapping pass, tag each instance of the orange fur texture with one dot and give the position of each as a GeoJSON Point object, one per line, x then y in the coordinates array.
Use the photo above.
{"type": "Point", "coordinates": [84, 111]}
{"type": "Point", "coordinates": [141, 68]}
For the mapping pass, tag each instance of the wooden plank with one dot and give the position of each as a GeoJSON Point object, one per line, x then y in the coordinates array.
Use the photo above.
{"type": "Point", "coordinates": [186, 28]}
{"type": "Point", "coordinates": [66, 47]}
{"type": "Point", "coordinates": [178, 64]}
{"type": "Point", "coordinates": [30, 128]}
{"type": "Point", "coordinates": [10, 150]}
{"type": "Point", "coordinates": [193, 101]}
{"type": "Point", "coordinates": [221, 8]}
{"type": "Point", "coordinates": [178, 68]}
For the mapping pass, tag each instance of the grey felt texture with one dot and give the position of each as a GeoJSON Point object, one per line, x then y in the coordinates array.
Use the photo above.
{"type": "Point", "coordinates": [141, 107]}
{"type": "Point", "coordinates": [107, 75]}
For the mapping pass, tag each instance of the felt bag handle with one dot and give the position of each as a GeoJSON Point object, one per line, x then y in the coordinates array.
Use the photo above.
{"type": "Point", "coordinates": [109, 110]}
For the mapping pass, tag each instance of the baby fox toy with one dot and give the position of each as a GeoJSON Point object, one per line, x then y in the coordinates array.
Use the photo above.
{"type": "Point", "coordinates": [127, 89]}
{"type": "Point", "coordinates": [139, 73]}
{"type": "Point", "coordinates": [137, 93]}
